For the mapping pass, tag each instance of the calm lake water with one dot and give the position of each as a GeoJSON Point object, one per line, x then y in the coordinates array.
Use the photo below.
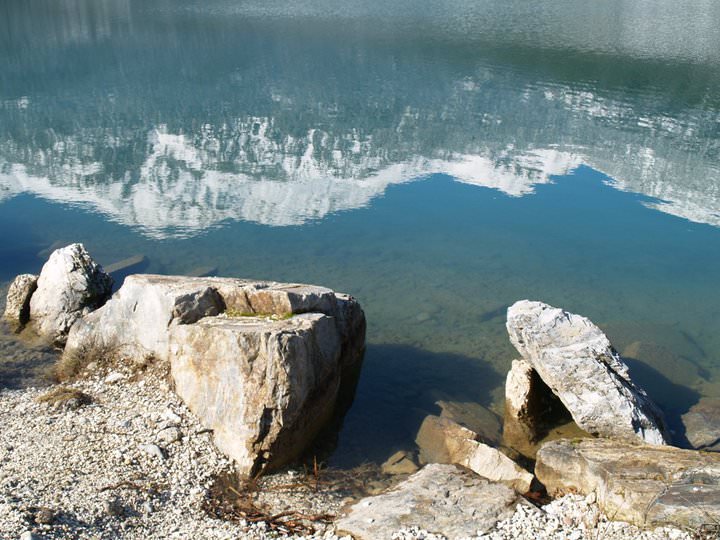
{"type": "Point", "coordinates": [437, 159]}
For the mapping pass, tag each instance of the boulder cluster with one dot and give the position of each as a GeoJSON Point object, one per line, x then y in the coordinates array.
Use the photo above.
{"type": "Point", "coordinates": [266, 366]}
{"type": "Point", "coordinates": [575, 424]}
{"type": "Point", "coordinates": [263, 365]}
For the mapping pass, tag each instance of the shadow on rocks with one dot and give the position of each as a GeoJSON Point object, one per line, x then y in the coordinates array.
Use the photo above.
{"type": "Point", "coordinates": [398, 387]}
{"type": "Point", "coordinates": [674, 399]}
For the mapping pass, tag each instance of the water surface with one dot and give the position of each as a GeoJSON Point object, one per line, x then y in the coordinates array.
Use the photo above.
{"type": "Point", "coordinates": [438, 160]}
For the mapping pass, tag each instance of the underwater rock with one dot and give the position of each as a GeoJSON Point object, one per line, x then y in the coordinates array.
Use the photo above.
{"type": "Point", "coordinates": [648, 485]}
{"type": "Point", "coordinates": [17, 305]}
{"type": "Point", "coordinates": [401, 462]}
{"type": "Point", "coordinates": [443, 441]}
{"type": "Point", "coordinates": [71, 284]}
{"type": "Point", "coordinates": [475, 417]}
{"type": "Point", "coordinates": [577, 362]}
{"type": "Point", "coordinates": [702, 424]}
{"type": "Point", "coordinates": [259, 363]}
{"type": "Point", "coordinates": [452, 502]}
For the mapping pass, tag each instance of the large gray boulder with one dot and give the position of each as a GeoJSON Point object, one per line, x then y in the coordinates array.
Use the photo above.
{"type": "Point", "coordinates": [17, 304]}
{"type": "Point", "coordinates": [134, 323]}
{"type": "Point", "coordinates": [265, 388]}
{"type": "Point", "coordinates": [442, 499]}
{"type": "Point", "coordinates": [71, 284]}
{"type": "Point", "coordinates": [647, 485]}
{"type": "Point", "coordinates": [576, 361]}
{"type": "Point", "coordinates": [260, 363]}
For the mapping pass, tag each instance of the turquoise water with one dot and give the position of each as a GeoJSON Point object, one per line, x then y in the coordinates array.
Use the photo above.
{"type": "Point", "coordinates": [438, 160]}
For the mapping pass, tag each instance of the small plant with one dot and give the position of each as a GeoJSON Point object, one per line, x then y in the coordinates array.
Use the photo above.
{"type": "Point", "coordinates": [73, 362]}
{"type": "Point", "coordinates": [65, 396]}
{"type": "Point", "coordinates": [235, 314]}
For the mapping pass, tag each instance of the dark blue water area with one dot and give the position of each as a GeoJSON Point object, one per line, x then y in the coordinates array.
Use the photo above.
{"type": "Point", "coordinates": [435, 263]}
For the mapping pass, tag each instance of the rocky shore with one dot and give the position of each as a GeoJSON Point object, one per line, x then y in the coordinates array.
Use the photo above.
{"type": "Point", "coordinates": [133, 462]}
{"type": "Point", "coordinates": [187, 408]}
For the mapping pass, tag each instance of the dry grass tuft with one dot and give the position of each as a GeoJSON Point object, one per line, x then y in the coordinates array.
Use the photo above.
{"type": "Point", "coordinates": [236, 499]}
{"type": "Point", "coordinates": [65, 396]}
{"type": "Point", "coordinates": [74, 361]}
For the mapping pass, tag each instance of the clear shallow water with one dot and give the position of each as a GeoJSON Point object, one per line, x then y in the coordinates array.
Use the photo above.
{"type": "Point", "coordinates": [437, 160]}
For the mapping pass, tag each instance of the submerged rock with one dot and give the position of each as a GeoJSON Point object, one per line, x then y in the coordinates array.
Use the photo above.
{"type": "Point", "coordinates": [475, 417]}
{"type": "Point", "coordinates": [443, 441]}
{"type": "Point", "coordinates": [441, 498]}
{"type": "Point", "coordinates": [261, 364]}
{"type": "Point", "coordinates": [71, 285]}
{"type": "Point", "coordinates": [401, 462]}
{"type": "Point", "coordinates": [17, 305]}
{"type": "Point", "coordinates": [702, 424]}
{"type": "Point", "coordinates": [577, 362]}
{"type": "Point", "coordinates": [647, 485]}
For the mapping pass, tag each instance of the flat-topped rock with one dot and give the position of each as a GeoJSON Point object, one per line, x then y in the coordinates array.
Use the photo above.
{"type": "Point", "coordinates": [71, 284]}
{"type": "Point", "coordinates": [135, 321]}
{"type": "Point", "coordinates": [576, 361]}
{"type": "Point", "coordinates": [647, 485]}
{"type": "Point", "coordinates": [442, 499]}
{"type": "Point", "coordinates": [17, 304]}
{"type": "Point", "coordinates": [259, 363]}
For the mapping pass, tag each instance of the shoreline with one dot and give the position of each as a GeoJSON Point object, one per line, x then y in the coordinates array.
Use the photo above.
{"type": "Point", "coordinates": [95, 469]}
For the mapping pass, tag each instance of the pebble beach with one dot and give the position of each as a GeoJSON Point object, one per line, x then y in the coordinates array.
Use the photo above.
{"type": "Point", "coordinates": [124, 458]}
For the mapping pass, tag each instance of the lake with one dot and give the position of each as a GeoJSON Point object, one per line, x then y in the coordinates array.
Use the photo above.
{"type": "Point", "coordinates": [439, 160]}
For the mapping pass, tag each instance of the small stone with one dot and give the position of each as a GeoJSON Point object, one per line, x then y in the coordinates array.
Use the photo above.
{"type": "Point", "coordinates": [17, 304]}
{"type": "Point", "coordinates": [114, 377]}
{"type": "Point", "coordinates": [29, 535]}
{"type": "Point", "coordinates": [44, 516]}
{"type": "Point", "coordinates": [169, 435]}
{"type": "Point", "coordinates": [171, 417]}
{"type": "Point", "coordinates": [153, 450]}
{"type": "Point", "coordinates": [400, 462]}
{"type": "Point", "coordinates": [114, 507]}
{"type": "Point", "coordinates": [375, 488]}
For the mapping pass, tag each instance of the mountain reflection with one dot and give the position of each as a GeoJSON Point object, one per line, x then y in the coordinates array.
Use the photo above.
{"type": "Point", "coordinates": [228, 116]}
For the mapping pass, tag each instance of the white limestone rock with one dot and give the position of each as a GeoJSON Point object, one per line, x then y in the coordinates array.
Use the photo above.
{"type": "Point", "coordinates": [647, 485]}
{"type": "Point", "coordinates": [442, 499]}
{"type": "Point", "coordinates": [135, 321]}
{"type": "Point", "coordinates": [578, 363]}
{"type": "Point", "coordinates": [443, 441]}
{"type": "Point", "coordinates": [532, 410]}
{"type": "Point", "coordinates": [17, 305]}
{"type": "Point", "coordinates": [71, 285]}
{"type": "Point", "coordinates": [261, 364]}
{"type": "Point", "coordinates": [265, 388]}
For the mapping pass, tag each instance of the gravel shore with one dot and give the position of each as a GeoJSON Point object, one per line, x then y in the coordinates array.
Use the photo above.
{"type": "Point", "coordinates": [112, 457]}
